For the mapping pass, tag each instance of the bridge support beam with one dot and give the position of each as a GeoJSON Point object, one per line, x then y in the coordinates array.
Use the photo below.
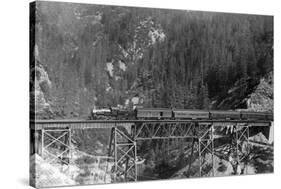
{"type": "Point", "coordinates": [206, 149]}
{"type": "Point", "coordinates": [56, 145]}
{"type": "Point", "coordinates": [242, 146]}
{"type": "Point", "coordinates": [125, 156]}
{"type": "Point", "coordinates": [172, 130]}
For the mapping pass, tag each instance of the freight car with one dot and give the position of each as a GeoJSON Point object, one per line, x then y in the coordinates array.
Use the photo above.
{"type": "Point", "coordinates": [166, 113]}
{"type": "Point", "coordinates": [161, 113]}
{"type": "Point", "coordinates": [228, 115]}
{"type": "Point", "coordinates": [256, 116]}
{"type": "Point", "coordinates": [190, 114]}
{"type": "Point", "coordinates": [153, 113]}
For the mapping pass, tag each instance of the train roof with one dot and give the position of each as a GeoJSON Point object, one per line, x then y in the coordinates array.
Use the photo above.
{"type": "Point", "coordinates": [193, 110]}
{"type": "Point", "coordinates": [154, 109]}
{"type": "Point", "coordinates": [224, 111]}
{"type": "Point", "coordinates": [252, 112]}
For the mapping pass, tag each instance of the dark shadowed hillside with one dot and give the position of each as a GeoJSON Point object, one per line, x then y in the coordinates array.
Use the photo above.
{"type": "Point", "coordinates": [88, 55]}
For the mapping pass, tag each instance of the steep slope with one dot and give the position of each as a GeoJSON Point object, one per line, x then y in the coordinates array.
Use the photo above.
{"type": "Point", "coordinates": [94, 55]}
{"type": "Point", "coordinates": [262, 98]}
{"type": "Point", "coordinates": [47, 175]}
{"type": "Point", "coordinates": [249, 95]}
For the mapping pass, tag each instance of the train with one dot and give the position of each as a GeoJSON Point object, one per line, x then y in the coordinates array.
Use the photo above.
{"type": "Point", "coordinates": [176, 114]}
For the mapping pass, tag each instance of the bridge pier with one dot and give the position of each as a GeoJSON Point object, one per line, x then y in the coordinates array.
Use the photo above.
{"type": "Point", "coordinates": [237, 150]}
{"type": "Point", "coordinates": [60, 140]}
{"type": "Point", "coordinates": [206, 145]}
{"type": "Point", "coordinates": [242, 145]}
{"type": "Point", "coordinates": [125, 156]}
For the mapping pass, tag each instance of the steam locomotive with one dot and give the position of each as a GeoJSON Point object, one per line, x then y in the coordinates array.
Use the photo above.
{"type": "Point", "coordinates": [166, 113]}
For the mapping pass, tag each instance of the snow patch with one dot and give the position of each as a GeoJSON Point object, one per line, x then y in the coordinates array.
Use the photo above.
{"type": "Point", "coordinates": [109, 67]}
{"type": "Point", "coordinates": [259, 138]}
{"type": "Point", "coordinates": [156, 35]}
{"type": "Point", "coordinates": [122, 65]}
{"type": "Point", "coordinates": [262, 98]}
{"type": "Point", "coordinates": [47, 175]}
{"type": "Point", "coordinates": [117, 78]}
{"type": "Point", "coordinates": [97, 18]}
{"type": "Point", "coordinates": [135, 100]}
{"type": "Point", "coordinates": [42, 87]}
{"type": "Point", "coordinates": [146, 34]}
{"type": "Point", "coordinates": [108, 88]}
{"type": "Point", "coordinates": [127, 102]}
{"type": "Point", "coordinates": [42, 75]}
{"type": "Point", "coordinates": [36, 52]}
{"type": "Point", "coordinates": [123, 51]}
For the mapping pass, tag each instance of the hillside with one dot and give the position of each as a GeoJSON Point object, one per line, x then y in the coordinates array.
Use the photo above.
{"type": "Point", "coordinates": [249, 95]}
{"type": "Point", "coordinates": [89, 55]}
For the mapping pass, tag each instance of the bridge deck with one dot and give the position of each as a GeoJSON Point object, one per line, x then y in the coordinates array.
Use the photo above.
{"type": "Point", "coordinates": [86, 124]}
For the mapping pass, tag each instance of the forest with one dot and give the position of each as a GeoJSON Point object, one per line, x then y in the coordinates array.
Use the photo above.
{"type": "Point", "coordinates": [108, 56]}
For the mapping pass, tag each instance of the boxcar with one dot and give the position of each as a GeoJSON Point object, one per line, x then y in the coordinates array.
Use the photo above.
{"type": "Point", "coordinates": [254, 115]}
{"type": "Point", "coordinates": [154, 113]}
{"type": "Point", "coordinates": [269, 116]}
{"type": "Point", "coordinates": [190, 114]}
{"type": "Point", "coordinates": [220, 114]}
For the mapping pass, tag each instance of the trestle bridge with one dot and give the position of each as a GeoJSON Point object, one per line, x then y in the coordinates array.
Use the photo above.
{"type": "Point", "coordinates": [125, 135]}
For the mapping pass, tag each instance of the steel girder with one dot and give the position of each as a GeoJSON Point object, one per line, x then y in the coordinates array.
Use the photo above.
{"type": "Point", "coordinates": [201, 132]}
{"type": "Point", "coordinates": [162, 130]}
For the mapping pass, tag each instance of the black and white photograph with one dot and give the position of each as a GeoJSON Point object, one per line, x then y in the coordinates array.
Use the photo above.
{"type": "Point", "coordinates": [129, 94]}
